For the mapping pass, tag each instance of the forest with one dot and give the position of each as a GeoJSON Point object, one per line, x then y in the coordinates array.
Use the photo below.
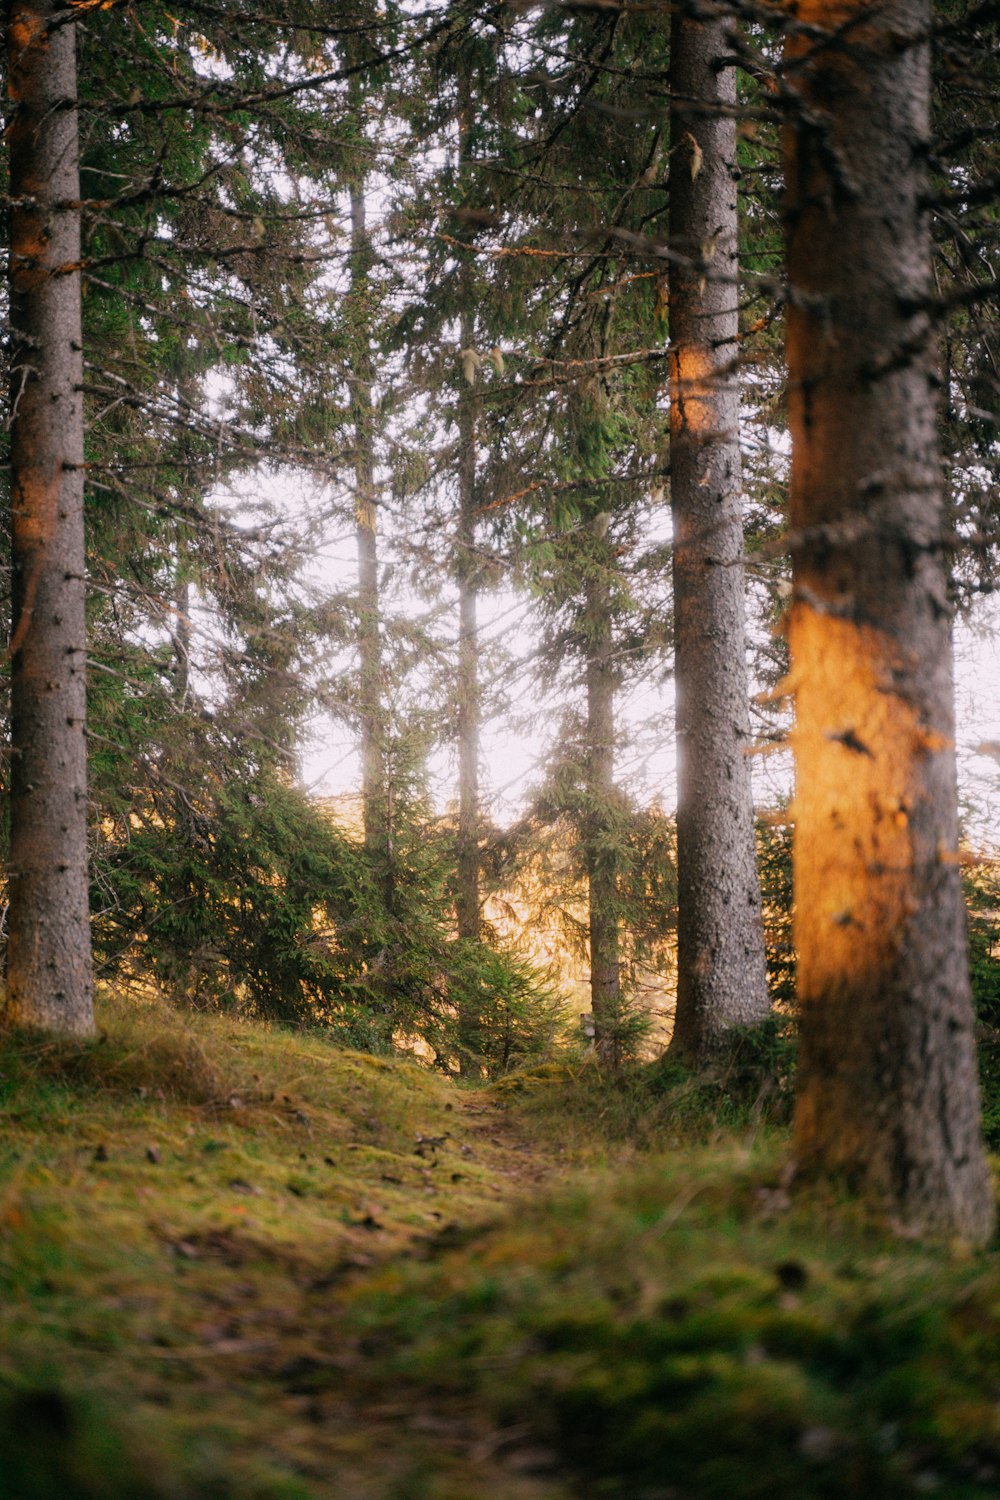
{"type": "Point", "coordinates": [500, 900]}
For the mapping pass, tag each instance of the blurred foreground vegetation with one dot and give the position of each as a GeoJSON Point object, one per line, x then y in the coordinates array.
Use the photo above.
{"type": "Point", "coordinates": [239, 1261]}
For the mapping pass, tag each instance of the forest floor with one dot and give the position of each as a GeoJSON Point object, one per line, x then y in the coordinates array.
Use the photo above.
{"type": "Point", "coordinates": [238, 1262]}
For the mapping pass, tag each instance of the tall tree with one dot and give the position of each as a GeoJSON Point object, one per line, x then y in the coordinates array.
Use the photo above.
{"type": "Point", "coordinates": [373, 789]}
{"type": "Point", "coordinates": [587, 176]}
{"type": "Point", "coordinates": [601, 851]}
{"type": "Point", "coordinates": [49, 982]}
{"type": "Point", "coordinates": [721, 981]}
{"type": "Point", "coordinates": [888, 1094]}
{"type": "Point", "coordinates": [469, 707]}
{"type": "Point", "coordinates": [467, 897]}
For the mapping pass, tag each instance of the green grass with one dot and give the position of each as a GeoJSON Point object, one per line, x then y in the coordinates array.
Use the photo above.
{"type": "Point", "coordinates": [681, 1329]}
{"type": "Point", "coordinates": [241, 1263]}
{"type": "Point", "coordinates": [178, 1201]}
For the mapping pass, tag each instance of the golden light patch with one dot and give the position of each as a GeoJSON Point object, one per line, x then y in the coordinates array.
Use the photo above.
{"type": "Point", "coordinates": [694, 379]}
{"type": "Point", "coordinates": [859, 750]}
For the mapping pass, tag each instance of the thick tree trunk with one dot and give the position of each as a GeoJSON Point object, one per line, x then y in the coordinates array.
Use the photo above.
{"type": "Point", "coordinates": [366, 516]}
{"type": "Point", "coordinates": [599, 851]}
{"type": "Point", "coordinates": [49, 981]}
{"type": "Point", "coordinates": [721, 972]}
{"type": "Point", "coordinates": [888, 1094]}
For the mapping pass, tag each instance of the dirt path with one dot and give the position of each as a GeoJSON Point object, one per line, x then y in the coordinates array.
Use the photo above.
{"type": "Point", "coordinates": [299, 1362]}
{"type": "Point", "coordinates": [522, 1160]}
{"type": "Point", "coordinates": [214, 1260]}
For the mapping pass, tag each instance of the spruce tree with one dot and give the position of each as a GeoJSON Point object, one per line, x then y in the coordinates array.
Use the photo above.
{"type": "Point", "coordinates": [49, 983]}
{"type": "Point", "coordinates": [721, 981]}
{"type": "Point", "coordinates": [887, 1091]}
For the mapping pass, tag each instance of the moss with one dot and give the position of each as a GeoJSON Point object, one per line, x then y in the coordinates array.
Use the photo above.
{"type": "Point", "coordinates": [178, 1200]}
{"type": "Point", "coordinates": [696, 1342]}
{"type": "Point", "coordinates": [302, 1272]}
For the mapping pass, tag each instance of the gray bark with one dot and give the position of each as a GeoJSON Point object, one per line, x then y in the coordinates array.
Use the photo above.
{"type": "Point", "coordinates": [182, 634]}
{"type": "Point", "coordinates": [721, 972]}
{"type": "Point", "coordinates": [468, 684]}
{"type": "Point", "coordinates": [467, 902]}
{"type": "Point", "coordinates": [888, 1095]}
{"type": "Point", "coordinates": [49, 980]}
{"type": "Point", "coordinates": [366, 523]}
{"type": "Point", "coordinates": [467, 899]}
{"type": "Point", "coordinates": [599, 852]}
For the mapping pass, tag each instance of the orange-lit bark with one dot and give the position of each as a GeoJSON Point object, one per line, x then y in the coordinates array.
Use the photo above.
{"type": "Point", "coordinates": [720, 943]}
{"type": "Point", "coordinates": [888, 1095]}
{"type": "Point", "coordinates": [48, 953]}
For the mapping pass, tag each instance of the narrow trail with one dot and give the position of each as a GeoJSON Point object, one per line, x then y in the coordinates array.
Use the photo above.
{"type": "Point", "coordinates": [310, 1371]}
{"type": "Point", "coordinates": [210, 1233]}
{"type": "Point", "coordinates": [524, 1161]}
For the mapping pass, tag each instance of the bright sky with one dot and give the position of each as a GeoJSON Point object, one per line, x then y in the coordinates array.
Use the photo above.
{"type": "Point", "coordinates": [512, 758]}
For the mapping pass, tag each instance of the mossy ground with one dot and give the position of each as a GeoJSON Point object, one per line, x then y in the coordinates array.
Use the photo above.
{"type": "Point", "coordinates": [241, 1263]}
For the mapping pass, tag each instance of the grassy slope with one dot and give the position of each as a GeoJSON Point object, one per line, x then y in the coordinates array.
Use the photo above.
{"type": "Point", "coordinates": [241, 1263]}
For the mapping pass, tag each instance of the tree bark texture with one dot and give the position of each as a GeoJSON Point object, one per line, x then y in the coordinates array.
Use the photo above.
{"type": "Point", "coordinates": [468, 678]}
{"type": "Point", "coordinates": [182, 633]}
{"type": "Point", "coordinates": [721, 972]}
{"type": "Point", "coordinates": [467, 904]}
{"type": "Point", "coordinates": [49, 979]}
{"type": "Point", "coordinates": [373, 789]}
{"type": "Point", "coordinates": [599, 845]}
{"type": "Point", "coordinates": [467, 898]}
{"type": "Point", "coordinates": [888, 1093]}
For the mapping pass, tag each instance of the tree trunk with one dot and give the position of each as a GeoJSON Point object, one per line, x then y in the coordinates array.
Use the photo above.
{"type": "Point", "coordinates": [182, 633]}
{"type": "Point", "coordinates": [468, 720]}
{"type": "Point", "coordinates": [599, 844]}
{"type": "Point", "coordinates": [365, 514]}
{"type": "Point", "coordinates": [49, 979]}
{"type": "Point", "coordinates": [467, 900]}
{"type": "Point", "coordinates": [467, 895]}
{"type": "Point", "coordinates": [721, 973]}
{"type": "Point", "coordinates": [888, 1095]}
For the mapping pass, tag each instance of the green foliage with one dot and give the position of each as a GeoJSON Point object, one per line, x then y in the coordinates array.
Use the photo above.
{"type": "Point", "coordinates": [682, 1327]}
{"type": "Point", "coordinates": [774, 864]}
{"type": "Point", "coordinates": [648, 1106]}
{"type": "Point", "coordinates": [245, 896]}
{"type": "Point", "coordinates": [178, 1198]}
{"type": "Point", "coordinates": [224, 890]}
{"type": "Point", "coordinates": [982, 895]}
{"type": "Point", "coordinates": [203, 325]}
{"type": "Point", "coordinates": [519, 1018]}
{"type": "Point", "coordinates": [55, 1447]}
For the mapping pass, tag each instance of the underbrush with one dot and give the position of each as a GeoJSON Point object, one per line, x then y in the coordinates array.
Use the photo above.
{"type": "Point", "coordinates": [662, 1105]}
